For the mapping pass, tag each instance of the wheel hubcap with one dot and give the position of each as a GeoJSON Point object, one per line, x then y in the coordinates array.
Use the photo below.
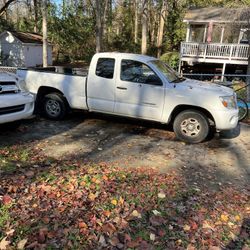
{"type": "Point", "coordinates": [53, 108]}
{"type": "Point", "coordinates": [190, 127]}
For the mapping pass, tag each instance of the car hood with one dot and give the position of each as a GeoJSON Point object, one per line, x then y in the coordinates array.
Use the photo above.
{"type": "Point", "coordinates": [206, 87]}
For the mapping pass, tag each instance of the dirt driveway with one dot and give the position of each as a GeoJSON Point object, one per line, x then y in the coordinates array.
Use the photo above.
{"type": "Point", "coordinates": [93, 138]}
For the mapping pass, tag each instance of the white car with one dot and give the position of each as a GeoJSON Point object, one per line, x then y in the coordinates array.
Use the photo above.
{"type": "Point", "coordinates": [16, 102]}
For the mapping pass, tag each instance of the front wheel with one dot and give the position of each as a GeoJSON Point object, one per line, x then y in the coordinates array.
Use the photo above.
{"type": "Point", "coordinates": [54, 106]}
{"type": "Point", "coordinates": [191, 126]}
{"type": "Point", "coordinates": [243, 109]}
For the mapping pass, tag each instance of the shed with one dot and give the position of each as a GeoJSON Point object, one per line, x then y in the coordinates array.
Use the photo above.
{"type": "Point", "coordinates": [22, 49]}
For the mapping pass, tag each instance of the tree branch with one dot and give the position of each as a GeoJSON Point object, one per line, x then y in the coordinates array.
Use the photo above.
{"type": "Point", "coordinates": [6, 5]}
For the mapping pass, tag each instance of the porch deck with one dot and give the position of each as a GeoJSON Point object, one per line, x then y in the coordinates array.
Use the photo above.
{"type": "Point", "coordinates": [215, 52]}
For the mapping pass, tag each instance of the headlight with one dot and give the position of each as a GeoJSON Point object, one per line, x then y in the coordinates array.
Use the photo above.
{"type": "Point", "coordinates": [229, 101]}
{"type": "Point", "coordinates": [22, 86]}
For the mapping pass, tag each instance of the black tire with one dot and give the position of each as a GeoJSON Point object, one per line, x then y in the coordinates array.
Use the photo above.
{"type": "Point", "coordinates": [243, 109]}
{"type": "Point", "coordinates": [54, 106]}
{"type": "Point", "coordinates": [191, 126]}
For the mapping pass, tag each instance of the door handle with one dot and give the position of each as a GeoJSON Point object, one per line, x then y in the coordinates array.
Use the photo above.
{"type": "Point", "coordinates": [122, 88]}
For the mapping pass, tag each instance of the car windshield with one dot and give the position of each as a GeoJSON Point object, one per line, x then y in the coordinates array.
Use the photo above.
{"type": "Point", "coordinates": [169, 73]}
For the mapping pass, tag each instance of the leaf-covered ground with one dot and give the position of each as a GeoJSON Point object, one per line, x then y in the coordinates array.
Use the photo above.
{"type": "Point", "coordinates": [58, 204]}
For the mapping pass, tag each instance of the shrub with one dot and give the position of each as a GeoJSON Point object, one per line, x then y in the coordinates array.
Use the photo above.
{"type": "Point", "coordinates": [172, 59]}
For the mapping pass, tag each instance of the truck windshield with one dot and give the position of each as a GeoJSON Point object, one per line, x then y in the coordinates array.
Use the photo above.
{"type": "Point", "coordinates": [169, 73]}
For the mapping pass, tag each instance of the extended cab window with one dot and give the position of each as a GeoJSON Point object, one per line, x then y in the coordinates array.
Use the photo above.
{"type": "Point", "coordinates": [105, 67]}
{"type": "Point", "coordinates": [134, 71]}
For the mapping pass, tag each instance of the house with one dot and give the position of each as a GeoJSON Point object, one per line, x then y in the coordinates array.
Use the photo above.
{"type": "Point", "coordinates": [216, 41]}
{"type": "Point", "coordinates": [22, 49]}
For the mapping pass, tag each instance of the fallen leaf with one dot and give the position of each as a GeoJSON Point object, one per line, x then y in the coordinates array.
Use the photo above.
{"type": "Point", "coordinates": [156, 220]}
{"type": "Point", "coordinates": [10, 233]}
{"type": "Point", "coordinates": [135, 213]}
{"type": "Point", "coordinates": [155, 212]}
{"type": "Point", "coordinates": [133, 244]}
{"type": "Point", "coordinates": [114, 241]}
{"type": "Point", "coordinates": [82, 225]}
{"type": "Point", "coordinates": [152, 237]}
{"type": "Point", "coordinates": [114, 202]}
{"type": "Point", "coordinates": [107, 213]}
{"type": "Point", "coordinates": [224, 218]}
{"type": "Point", "coordinates": [237, 218]}
{"type": "Point", "coordinates": [102, 240]}
{"type": "Point", "coordinates": [21, 244]}
{"type": "Point", "coordinates": [6, 199]}
{"type": "Point", "coordinates": [186, 228]}
{"type": "Point", "coordinates": [121, 201]}
{"type": "Point", "coordinates": [161, 195]}
{"type": "Point", "coordinates": [4, 243]}
{"type": "Point", "coordinates": [92, 196]}
{"type": "Point", "coordinates": [108, 228]}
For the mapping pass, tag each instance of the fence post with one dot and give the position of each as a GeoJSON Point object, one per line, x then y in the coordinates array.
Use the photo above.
{"type": "Point", "coordinates": [223, 72]}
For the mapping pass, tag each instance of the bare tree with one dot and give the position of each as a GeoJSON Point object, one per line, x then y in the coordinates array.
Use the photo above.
{"type": "Point", "coordinates": [144, 28]}
{"type": "Point", "coordinates": [45, 33]}
{"type": "Point", "coordinates": [35, 15]}
{"type": "Point", "coordinates": [99, 31]}
{"type": "Point", "coordinates": [136, 21]}
{"type": "Point", "coordinates": [161, 27]}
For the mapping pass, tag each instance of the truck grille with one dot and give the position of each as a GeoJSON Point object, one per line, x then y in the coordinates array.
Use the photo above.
{"type": "Point", "coordinates": [7, 83]}
{"type": "Point", "coordinates": [8, 88]}
{"type": "Point", "coordinates": [13, 109]}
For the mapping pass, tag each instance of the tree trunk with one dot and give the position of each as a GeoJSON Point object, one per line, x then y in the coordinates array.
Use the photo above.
{"type": "Point", "coordinates": [144, 28]}
{"type": "Point", "coordinates": [161, 28]}
{"type": "Point", "coordinates": [35, 16]}
{"type": "Point", "coordinates": [99, 32]}
{"type": "Point", "coordinates": [136, 21]}
{"type": "Point", "coordinates": [45, 33]}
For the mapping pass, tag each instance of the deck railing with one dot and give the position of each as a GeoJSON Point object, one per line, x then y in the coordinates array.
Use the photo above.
{"type": "Point", "coordinates": [215, 50]}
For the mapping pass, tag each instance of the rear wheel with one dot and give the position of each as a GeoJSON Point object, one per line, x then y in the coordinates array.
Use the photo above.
{"type": "Point", "coordinates": [54, 106]}
{"type": "Point", "coordinates": [191, 126]}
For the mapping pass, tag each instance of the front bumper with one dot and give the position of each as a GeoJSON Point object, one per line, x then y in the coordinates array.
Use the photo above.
{"type": "Point", "coordinates": [14, 100]}
{"type": "Point", "coordinates": [226, 119]}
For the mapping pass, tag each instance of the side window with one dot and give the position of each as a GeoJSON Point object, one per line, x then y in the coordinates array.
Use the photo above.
{"type": "Point", "coordinates": [138, 72]}
{"type": "Point", "coordinates": [105, 68]}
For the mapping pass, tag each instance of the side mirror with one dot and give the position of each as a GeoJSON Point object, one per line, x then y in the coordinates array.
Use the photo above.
{"type": "Point", "coordinates": [153, 80]}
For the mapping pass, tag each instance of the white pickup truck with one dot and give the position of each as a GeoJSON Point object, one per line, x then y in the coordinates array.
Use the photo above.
{"type": "Point", "coordinates": [137, 86]}
{"type": "Point", "coordinates": [16, 102]}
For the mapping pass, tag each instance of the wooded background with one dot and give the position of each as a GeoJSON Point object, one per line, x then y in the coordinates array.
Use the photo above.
{"type": "Point", "coordinates": [79, 28]}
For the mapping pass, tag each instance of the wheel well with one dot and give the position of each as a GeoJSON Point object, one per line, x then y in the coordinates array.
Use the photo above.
{"type": "Point", "coordinates": [181, 108]}
{"type": "Point", "coordinates": [43, 91]}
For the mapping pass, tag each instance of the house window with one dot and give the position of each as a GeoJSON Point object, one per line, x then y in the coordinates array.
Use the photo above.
{"type": "Point", "coordinates": [197, 33]}
{"type": "Point", "coordinates": [231, 33]}
{"type": "Point", "coordinates": [216, 33]}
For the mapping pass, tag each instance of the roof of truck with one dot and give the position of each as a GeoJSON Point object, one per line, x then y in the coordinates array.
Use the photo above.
{"type": "Point", "coordinates": [129, 56]}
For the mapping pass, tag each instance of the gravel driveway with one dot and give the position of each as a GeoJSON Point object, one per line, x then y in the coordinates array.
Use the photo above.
{"type": "Point", "coordinates": [95, 138]}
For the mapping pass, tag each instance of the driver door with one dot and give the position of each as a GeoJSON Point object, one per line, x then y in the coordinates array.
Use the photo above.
{"type": "Point", "coordinates": [139, 91]}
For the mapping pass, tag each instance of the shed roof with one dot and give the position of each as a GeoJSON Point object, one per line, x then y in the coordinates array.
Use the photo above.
{"type": "Point", "coordinates": [26, 37]}
{"type": "Point", "coordinates": [219, 15]}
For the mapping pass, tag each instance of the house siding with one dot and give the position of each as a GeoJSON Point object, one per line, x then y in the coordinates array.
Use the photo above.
{"type": "Point", "coordinates": [33, 54]}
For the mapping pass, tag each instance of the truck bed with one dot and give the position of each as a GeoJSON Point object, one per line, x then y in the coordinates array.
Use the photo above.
{"type": "Point", "coordinates": [71, 86]}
